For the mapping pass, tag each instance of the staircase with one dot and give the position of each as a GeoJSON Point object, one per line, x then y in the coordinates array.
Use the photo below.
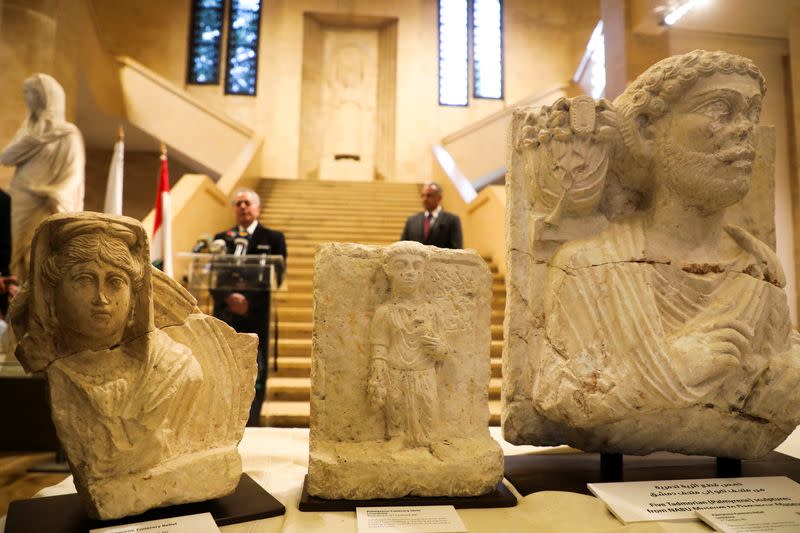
{"type": "Point", "coordinates": [313, 212]}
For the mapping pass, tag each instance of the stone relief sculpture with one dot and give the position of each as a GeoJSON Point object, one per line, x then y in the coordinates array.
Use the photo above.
{"type": "Point", "coordinates": [49, 155]}
{"type": "Point", "coordinates": [407, 349]}
{"type": "Point", "coordinates": [149, 396]}
{"type": "Point", "coordinates": [642, 318]}
{"type": "Point", "coordinates": [400, 374]}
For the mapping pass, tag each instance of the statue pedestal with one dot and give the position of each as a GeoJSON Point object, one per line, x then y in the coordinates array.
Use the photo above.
{"type": "Point", "coordinates": [499, 497]}
{"type": "Point", "coordinates": [65, 513]}
{"type": "Point", "coordinates": [572, 471]}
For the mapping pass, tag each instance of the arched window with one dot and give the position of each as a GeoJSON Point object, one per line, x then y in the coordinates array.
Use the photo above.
{"type": "Point", "coordinates": [459, 21]}
{"type": "Point", "coordinates": [241, 71]}
{"type": "Point", "coordinates": [205, 42]}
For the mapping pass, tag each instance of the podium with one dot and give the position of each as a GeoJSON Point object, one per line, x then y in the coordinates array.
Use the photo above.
{"type": "Point", "coordinates": [212, 277]}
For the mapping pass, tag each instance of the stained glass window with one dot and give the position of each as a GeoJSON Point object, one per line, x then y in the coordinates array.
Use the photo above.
{"type": "Point", "coordinates": [453, 50]}
{"type": "Point", "coordinates": [487, 48]}
{"type": "Point", "coordinates": [205, 41]}
{"type": "Point", "coordinates": [242, 68]}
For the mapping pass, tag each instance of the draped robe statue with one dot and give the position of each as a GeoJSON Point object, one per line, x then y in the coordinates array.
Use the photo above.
{"type": "Point", "coordinates": [50, 159]}
{"type": "Point", "coordinates": [654, 323]}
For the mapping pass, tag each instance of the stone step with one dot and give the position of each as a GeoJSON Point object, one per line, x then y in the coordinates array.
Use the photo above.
{"type": "Point", "coordinates": [294, 244]}
{"type": "Point", "coordinates": [328, 188]}
{"type": "Point", "coordinates": [299, 233]}
{"type": "Point", "coordinates": [309, 220]}
{"type": "Point", "coordinates": [315, 218]}
{"type": "Point", "coordinates": [363, 216]}
{"type": "Point", "coordinates": [386, 188]}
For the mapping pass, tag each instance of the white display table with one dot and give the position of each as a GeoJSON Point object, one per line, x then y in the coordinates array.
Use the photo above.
{"type": "Point", "coordinates": [277, 459]}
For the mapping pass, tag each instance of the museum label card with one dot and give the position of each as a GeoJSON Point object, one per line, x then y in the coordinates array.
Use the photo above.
{"type": "Point", "coordinates": [641, 501]}
{"type": "Point", "coordinates": [761, 520]}
{"type": "Point", "coordinates": [194, 523]}
{"type": "Point", "coordinates": [432, 519]}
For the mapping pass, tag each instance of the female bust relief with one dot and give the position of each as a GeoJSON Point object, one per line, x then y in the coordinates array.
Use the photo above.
{"type": "Point", "coordinates": [49, 156]}
{"type": "Point", "coordinates": [148, 408]}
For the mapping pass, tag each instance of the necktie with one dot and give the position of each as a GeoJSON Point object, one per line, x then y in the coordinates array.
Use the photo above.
{"type": "Point", "coordinates": [426, 226]}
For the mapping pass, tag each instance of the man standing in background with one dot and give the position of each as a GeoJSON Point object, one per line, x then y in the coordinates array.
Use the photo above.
{"type": "Point", "coordinates": [433, 226]}
{"type": "Point", "coordinates": [248, 311]}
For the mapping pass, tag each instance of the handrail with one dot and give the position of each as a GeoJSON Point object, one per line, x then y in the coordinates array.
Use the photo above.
{"type": "Point", "coordinates": [177, 91]}
{"type": "Point", "coordinates": [238, 168]}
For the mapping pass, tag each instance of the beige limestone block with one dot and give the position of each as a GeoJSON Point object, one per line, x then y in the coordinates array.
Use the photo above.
{"type": "Point", "coordinates": [645, 305]}
{"type": "Point", "coordinates": [149, 396]}
{"type": "Point", "coordinates": [400, 373]}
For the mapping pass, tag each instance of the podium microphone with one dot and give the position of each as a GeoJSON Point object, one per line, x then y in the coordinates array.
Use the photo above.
{"type": "Point", "coordinates": [218, 246]}
{"type": "Point", "coordinates": [241, 246]}
{"type": "Point", "coordinates": [202, 245]}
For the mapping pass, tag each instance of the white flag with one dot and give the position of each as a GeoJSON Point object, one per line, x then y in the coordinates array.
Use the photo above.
{"type": "Point", "coordinates": [113, 205]}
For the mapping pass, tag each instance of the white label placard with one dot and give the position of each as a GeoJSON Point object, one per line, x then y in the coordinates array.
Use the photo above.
{"type": "Point", "coordinates": [760, 520]}
{"type": "Point", "coordinates": [641, 501]}
{"type": "Point", "coordinates": [194, 523]}
{"type": "Point", "coordinates": [432, 519]}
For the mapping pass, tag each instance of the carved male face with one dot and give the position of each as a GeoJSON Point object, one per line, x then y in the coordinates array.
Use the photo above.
{"type": "Point", "coordinates": [431, 197]}
{"type": "Point", "coordinates": [705, 146]}
{"type": "Point", "coordinates": [405, 271]}
{"type": "Point", "coordinates": [245, 208]}
{"type": "Point", "coordinates": [93, 301]}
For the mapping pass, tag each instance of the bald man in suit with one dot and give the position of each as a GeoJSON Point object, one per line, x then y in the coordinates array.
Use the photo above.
{"type": "Point", "coordinates": [434, 225]}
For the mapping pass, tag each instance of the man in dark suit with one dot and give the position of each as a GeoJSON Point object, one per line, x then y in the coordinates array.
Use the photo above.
{"type": "Point", "coordinates": [434, 225]}
{"type": "Point", "coordinates": [248, 311]}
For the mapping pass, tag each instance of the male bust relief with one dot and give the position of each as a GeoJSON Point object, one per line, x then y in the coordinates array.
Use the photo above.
{"type": "Point", "coordinates": [670, 330]}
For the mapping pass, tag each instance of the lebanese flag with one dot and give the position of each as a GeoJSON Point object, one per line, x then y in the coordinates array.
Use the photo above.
{"type": "Point", "coordinates": [161, 243]}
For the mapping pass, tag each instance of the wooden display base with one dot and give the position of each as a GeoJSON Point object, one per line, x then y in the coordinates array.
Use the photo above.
{"type": "Point", "coordinates": [572, 471]}
{"type": "Point", "coordinates": [500, 497]}
{"type": "Point", "coordinates": [65, 514]}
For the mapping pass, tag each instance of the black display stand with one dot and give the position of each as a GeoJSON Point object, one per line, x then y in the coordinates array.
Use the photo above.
{"type": "Point", "coordinates": [500, 497]}
{"type": "Point", "coordinates": [572, 471]}
{"type": "Point", "coordinates": [65, 514]}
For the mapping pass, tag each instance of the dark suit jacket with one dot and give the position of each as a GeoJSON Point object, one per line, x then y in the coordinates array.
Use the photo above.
{"type": "Point", "coordinates": [445, 231]}
{"type": "Point", "coordinates": [263, 240]}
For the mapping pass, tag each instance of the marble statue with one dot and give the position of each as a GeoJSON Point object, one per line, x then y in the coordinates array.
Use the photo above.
{"type": "Point", "coordinates": [49, 155]}
{"type": "Point", "coordinates": [149, 396]}
{"type": "Point", "coordinates": [641, 316]}
{"type": "Point", "coordinates": [400, 373]}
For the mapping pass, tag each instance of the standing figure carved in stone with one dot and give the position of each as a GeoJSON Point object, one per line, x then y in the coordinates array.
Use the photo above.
{"type": "Point", "coordinates": [49, 155]}
{"type": "Point", "coordinates": [407, 349]}
{"type": "Point", "coordinates": [149, 398]}
{"type": "Point", "coordinates": [669, 328]}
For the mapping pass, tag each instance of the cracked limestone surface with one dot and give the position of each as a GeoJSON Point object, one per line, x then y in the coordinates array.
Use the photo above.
{"type": "Point", "coordinates": [650, 221]}
{"type": "Point", "coordinates": [400, 373]}
{"type": "Point", "coordinates": [149, 396]}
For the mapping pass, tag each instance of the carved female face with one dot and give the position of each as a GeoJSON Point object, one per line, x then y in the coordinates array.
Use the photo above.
{"type": "Point", "coordinates": [93, 301]}
{"type": "Point", "coordinates": [33, 98]}
{"type": "Point", "coordinates": [405, 271]}
{"type": "Point", "coordinates": [704, 148]}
